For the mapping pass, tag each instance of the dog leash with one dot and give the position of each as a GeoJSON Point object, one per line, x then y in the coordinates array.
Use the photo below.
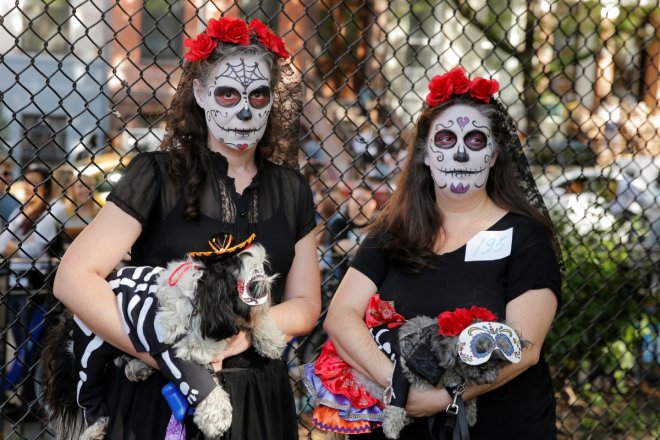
{"type": "Point", "coordinates": [455, 426]}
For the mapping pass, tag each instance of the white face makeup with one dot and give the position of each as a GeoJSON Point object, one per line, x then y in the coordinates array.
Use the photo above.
{"type": "Point", "coordinates": [237, 101]}
{"type": "Point", "coordinates": [460, 150]}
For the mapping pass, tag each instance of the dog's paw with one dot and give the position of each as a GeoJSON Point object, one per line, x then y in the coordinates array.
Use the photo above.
{"type": "Point", "coordinates": [213, 414]}
{"type": "Point", "coordinates": [120, 361]}
{"type": "Point", "coordinates": [267, 338]}
{"type": "Point", "coordinates": [137, 371]}
{"type": "Point", "coordinates": [394, 420]}
{"type": "Point", "coordinates": [96, 431]}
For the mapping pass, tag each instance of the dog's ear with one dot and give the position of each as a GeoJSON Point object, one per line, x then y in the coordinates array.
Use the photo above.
{"type": "Point", "coordinates": [216, 301]}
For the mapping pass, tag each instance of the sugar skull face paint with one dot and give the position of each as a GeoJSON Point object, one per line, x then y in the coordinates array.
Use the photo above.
{"type": "Point", "coordinates": [237, 101]}
{"type": "Point", "coordinates": [460, 150]}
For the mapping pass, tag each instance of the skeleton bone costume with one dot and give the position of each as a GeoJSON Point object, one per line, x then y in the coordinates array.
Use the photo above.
{"type": "Point", "coordinates": [161, 315]}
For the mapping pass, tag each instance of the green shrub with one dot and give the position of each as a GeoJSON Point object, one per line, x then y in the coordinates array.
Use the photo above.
{"type": "Point", "coordinates": [597, 330]}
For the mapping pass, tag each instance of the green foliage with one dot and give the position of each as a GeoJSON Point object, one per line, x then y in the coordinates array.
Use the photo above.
{"type": "Point", "coordinates": [595, 341]}
{"type": "Point", "coordinates": [616, 413]}
{"type": "Point", "coordinates": [597, 330]}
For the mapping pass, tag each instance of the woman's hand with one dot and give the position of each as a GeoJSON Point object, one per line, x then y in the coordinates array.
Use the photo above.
{"type": "Point", "coordinates": [428, 402]}
{"type": "Point", "coordinates": [237, 345]}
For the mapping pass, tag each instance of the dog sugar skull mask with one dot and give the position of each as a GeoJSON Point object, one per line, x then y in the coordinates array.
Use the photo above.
{"type": "Point", "coordinates": [237, 100]}
{"type": "Point", "coordinates": [460, 150]}
{"type": "Point", "coordinates": [478, 342]}
{"type": "Point", "coordinates": [253, 284]}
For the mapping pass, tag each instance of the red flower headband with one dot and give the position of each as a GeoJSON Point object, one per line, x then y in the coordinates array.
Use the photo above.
{"type": "Point", "coordinates": [455, 82]}
{"type": "Point", "coordinates": [453, 323]}
{"type": "Point", "coordinates": [235, 31]}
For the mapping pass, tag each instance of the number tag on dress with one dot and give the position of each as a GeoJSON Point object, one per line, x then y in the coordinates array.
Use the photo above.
{"type": "Point", "coordinates": [489, 245]}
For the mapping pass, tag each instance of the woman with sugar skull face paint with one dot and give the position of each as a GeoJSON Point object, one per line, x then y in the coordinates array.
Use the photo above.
{"type": "Point", "coordinates": [212, 175]}
{"type": "Point", "coordinates": [466, 227]}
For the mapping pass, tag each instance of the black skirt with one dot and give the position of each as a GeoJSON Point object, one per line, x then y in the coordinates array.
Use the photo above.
{"type": "Point", "coordinates": [260, 392]}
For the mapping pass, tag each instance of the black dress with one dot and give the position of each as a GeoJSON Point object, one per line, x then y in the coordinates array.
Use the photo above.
{"type": "Point", "coordinates": [523, 408]}
{"type": "Point", "coordinates": [278, 207]}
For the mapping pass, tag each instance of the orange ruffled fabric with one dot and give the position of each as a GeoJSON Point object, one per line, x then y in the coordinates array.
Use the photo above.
{"type": "Point", "coordinates": [328, 419]}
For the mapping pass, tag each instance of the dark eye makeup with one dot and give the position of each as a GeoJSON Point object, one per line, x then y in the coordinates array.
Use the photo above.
{"type": "Point", "coordinates": [444, 139]}
{"type": "Point", "coordinates": [226, 96]}
{"type": "Point", "coordinates": [475, 140]}
{"type": "Point", "coordinates": [260, 97]}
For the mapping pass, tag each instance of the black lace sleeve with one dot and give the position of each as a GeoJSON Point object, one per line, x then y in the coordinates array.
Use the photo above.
{"type": "Point", "coordinates": [138, 189]}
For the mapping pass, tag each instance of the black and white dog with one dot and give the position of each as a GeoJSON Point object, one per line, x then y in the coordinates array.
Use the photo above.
{"type": "Point", "coordinates": [182, 316]}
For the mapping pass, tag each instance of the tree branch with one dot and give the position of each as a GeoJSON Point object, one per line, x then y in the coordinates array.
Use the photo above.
{"type": "Point", "coordinates": [464, 8]}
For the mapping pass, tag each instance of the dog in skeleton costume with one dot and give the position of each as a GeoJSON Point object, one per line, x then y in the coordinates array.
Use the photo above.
{"type": "Point", "coordinates": [183, 316]}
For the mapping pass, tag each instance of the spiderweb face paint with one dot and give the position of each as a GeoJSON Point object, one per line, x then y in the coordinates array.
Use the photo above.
{"type": "Point", "coordinates": [238, 100]}
{"type": "Point", "coordinates": [460, 150]}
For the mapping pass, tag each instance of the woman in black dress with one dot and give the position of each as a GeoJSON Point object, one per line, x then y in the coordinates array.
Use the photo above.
{"type": "Point", "coordinates": [212, 175]}
{"type": "Point", "coordinates": [466, 227]}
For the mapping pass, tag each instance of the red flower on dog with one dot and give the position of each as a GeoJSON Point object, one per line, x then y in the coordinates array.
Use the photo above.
{"type": "Point", "coordinates": [200, 47]}
{"type": "Point", "coordinates": [482, 89]}
{"type": "Point", "coordinates": [453, 323]}
{"type": "Point", "coordinates": [229, 30]}
{"type": "Point", "coordinates": [267, 38]}
{"type": "Point", "coordinates": [482, 314]}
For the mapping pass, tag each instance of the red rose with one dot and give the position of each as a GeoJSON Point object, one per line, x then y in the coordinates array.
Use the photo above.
{"type": "Point", "coordinates": [229, 30]}
{"type": "Point", "coordinates": [459, 80]}
{"type": "Point", "coordinates": [482, 89]}
{"type": "Point", "coordinates": [441, 88]}
{"type": "Point", "coordinates": [268, 39]}
{"type": "Point", "coordinates": [453, 323]}
{"type": "Point", "coordinates": [482, 314]}
{"type": "Point", "coordinates": [200, 47]}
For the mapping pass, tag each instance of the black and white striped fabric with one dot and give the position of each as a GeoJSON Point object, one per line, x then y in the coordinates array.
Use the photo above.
{"type": "Point", "coordinates": [135, 288]}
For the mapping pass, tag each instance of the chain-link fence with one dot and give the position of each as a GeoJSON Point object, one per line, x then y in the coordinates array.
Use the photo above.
{"type": "Point", "coordinates": [85, 86]}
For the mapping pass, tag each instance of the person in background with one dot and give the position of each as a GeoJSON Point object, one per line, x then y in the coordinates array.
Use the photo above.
{"type": "Point", "coordinates": [346, 229]}
{"type": "Point", "coordinates": [365, 145]}
{"type": "Point", "coordinates": [212, 175]}
{"type": "Point", "coordinates": [80, 208]}
{"type": "Point", "coordinates": [32, 229]}
{"type": "Point", "coordinates": [312, 148]}
{"type": "Point", "coordinates": [8, 203]}
{"type": "Point", "coordinates": [28, 242]}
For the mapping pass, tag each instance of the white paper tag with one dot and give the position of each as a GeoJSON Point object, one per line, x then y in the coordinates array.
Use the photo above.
{"type": "Point", "coordinates": [489, 245]}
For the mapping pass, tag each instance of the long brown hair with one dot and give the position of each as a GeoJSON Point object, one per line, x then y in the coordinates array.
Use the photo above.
{"type": "Point", "coordinates": [410, 221]}
{"type": "Point", "coordinates": [186, 131]}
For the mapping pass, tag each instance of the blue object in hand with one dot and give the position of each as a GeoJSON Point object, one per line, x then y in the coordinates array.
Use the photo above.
{"type": "Point", "coordinates": [177, 402]}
